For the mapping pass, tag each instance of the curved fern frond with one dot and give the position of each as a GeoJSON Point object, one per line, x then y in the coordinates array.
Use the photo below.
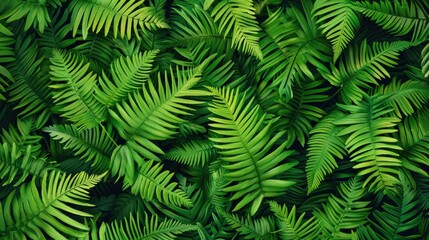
{"type": "Point", "coordinates": [151, 181]}
{"type": "Point", "coordinates": [425, 61]}
{"type": "Point", "coordinates": [128, 75]}
{"type": "Point", "coordinates": [23, 135]}
{"type": "Point", "coordinates": [407, 96]}
{"type": "Point", "coordinates": [250, 228]}
{"type": "Point", "coordinates": [17, 164]}
{"type": "Point", "coordinates": [30, 88]}
{"type": "Point", "coordinates": [246, 144]}
{"type": "Point", "coordinates": [413, 137]}
{"type": "Point", "coordinates": [290, 43]}
{"type": "Point", "coordinates": [153, 114]}
{"type": "Point", "coordinates": [92, 145]}
{"type": "Point", "coordinates": [362, 68]}
{"type": "Point", "coordinates": [237, 17]}
{"type": "Point", "coordinates": [324, 147]}
{"type": "Point", "coordinates": [74, 90]}
{"type": "Point", "coordinates": [369, 144]}
{"type": "Point", "coordinates": [292, 228]}
{"type": "Point", "coordinates": [192, 153]}
{"type": "Point", "coordinates": [119, 15]}
{"type": "Point", "coordinates": [338, 21]}
{"type": "Point", "coordinates": [344, 212]}
{"type": "Point", "coordinates": [396, 219]}
{"type": "Point", "coordinates": [6, 56]}
{"type": "Point", "coordinates": [399, 17]}
{"type": "Point", "coordinates": [149, 228]}
{"type": "Point", "coordinates": [48, 212]}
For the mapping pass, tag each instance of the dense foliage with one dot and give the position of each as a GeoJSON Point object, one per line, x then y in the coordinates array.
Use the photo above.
{"type": "Point", "coordinates": [203, 119]}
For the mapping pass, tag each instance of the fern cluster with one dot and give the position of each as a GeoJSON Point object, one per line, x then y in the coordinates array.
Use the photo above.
{"type": "Point", "coordinates": [202, 119]}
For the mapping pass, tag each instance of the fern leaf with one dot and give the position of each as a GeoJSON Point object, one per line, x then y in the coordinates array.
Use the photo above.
{"type": "Point", "coordinates": [92, 145]}
{"type": "Point", "coordinates": [192, 153]}
{"type": "Point", "coordinates": [338, 21]}
{"type": "Point", "coordinates": [74, 89]}
{"type": "Point", "coordinates": [237, 17]}
{"type": "Point", "coordinates": [149, 228]}
{"type": "Point", "coordinates": [17, 164]}
{"type": "Point", "coordinates": [425, 61]}
{"type": "Point", "coordinates": [368, 144]}
{"type": "Point", "coordinates": [344, 213]}
{"type": "Point", "coordinates": [399, 17]}
{"type": "Point", "coordinates": [245, 144]}
{"type": "Point", "coordinates": [48, 212]}
{"type": "Point", "coordinates": [153, 115]}
{"type": "Point", "coordinates": [324, 146]}
{"type": "Point", "coordinates": [151, 181]}
{"type": "Point", "coordinates": [6, 55]}
{"type": "Point", "coordinates": [249, 228]}
{"type": "Point", "coordinates": [363, 67]}
{"type": "Point", "coordinates": [119, 15]}
{"type": "Point", "coordinates": [128, 75]}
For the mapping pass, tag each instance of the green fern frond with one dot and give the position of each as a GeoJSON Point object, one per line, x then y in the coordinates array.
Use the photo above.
{"type": "Point", "coordinates": [30, 88]}
{"type": "Point", "coordinates": [92, 145]}
{"type": "Point", "coordinates": [399, 17]}
{"type": "Point", "coordinates": [128, 75]}
{"type": "Point", "coordinates": [51, 211]}
{"type": "Point", "coordinates": [17, 164]}
{"type": "Point", "coordinates": [395, 220]}
{"type": "Point", "coordinates": [344, 212]}
{"type": "Point", "coordinates": [149, 228]}
{"type": "Point", "coordinates": [6, 56]}
{"type": "Point", "coordinates": [338, 21]}
{"type": "Point", "coordinates": [413, 137]}
{"type": "Point", "coordinates": [290, 43]}
{"type": "Point", "coordinates": [153, 114]}
{"type": "Point", "coordinates": [237, 17]}
{"type": "Point", "coordinates": [119, 15]}
{"type": "Point", "coordinates": [299, 112]}
{"type": "Point", "coordinates": [324, 147]}
{"type": "Point", "coordinates": [407, 96]}
{"type": "Point", "coordinates": [23, 135]}
{"type": "Point", "coordinates": [363, 66]}
{"type": "Point", "coordinates": [151, 181]}
{"type": "Point", "coordinates": [250, 228]}
{"type": "Point", "coordinates": [246, 144]}
{"type": "Point", "coordinates": [73, 89]}
{"type": "Point", "coordinates": [373, 151]}
{"type": "Point", "coordinates": [192, 153]}
{"type": "Point", "coordinates": [292, 228]}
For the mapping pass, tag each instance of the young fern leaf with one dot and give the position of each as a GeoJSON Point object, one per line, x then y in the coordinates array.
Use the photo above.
{"type": "Point", "coordinates": [338, 21]}
{"type": "Point", "coordinates": [17, 164]}
{"type": "Point", "coordinates": [250, 228]}
{"type": "Point", "coordinates": [151, 181]}
{"type": "Point", "coordinates": [48, 212]}
{"type": "Point", "coordinates": [290, 43]}
{"type": "Point", "coordinates": [128, 75]}
{"type": "Point", "coordinates": [324, 147]}
{"type": "Point", "coordinates": [246, 145]}
{"type": "Point", "coordinates": [370, 147]}
{"type": "Point", "coordinates": [237, 17]}
{"type": "Point", "coordinates": [153, 114]}
{"type": "Point", "coordinates": [363, 66]}
{"type": "Point", "coordinates": [74, 90]}
{"type": "Point", "coordinates": [292, 228]}
{"type": "Point", "coordinates": [406, 97]}
{"type": "Point", "coordinates": [399, 17]}
{"type": "Point", "coordinates": [149, 228]}
{"type": "Point", "coordinates": [92, 145]}
{"type": "Point", "coordinates": [192, 153]}
{"type": "Point", "coordinates": [344, 212]}
{"type": "Point", "coordinates": [120, 15]}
